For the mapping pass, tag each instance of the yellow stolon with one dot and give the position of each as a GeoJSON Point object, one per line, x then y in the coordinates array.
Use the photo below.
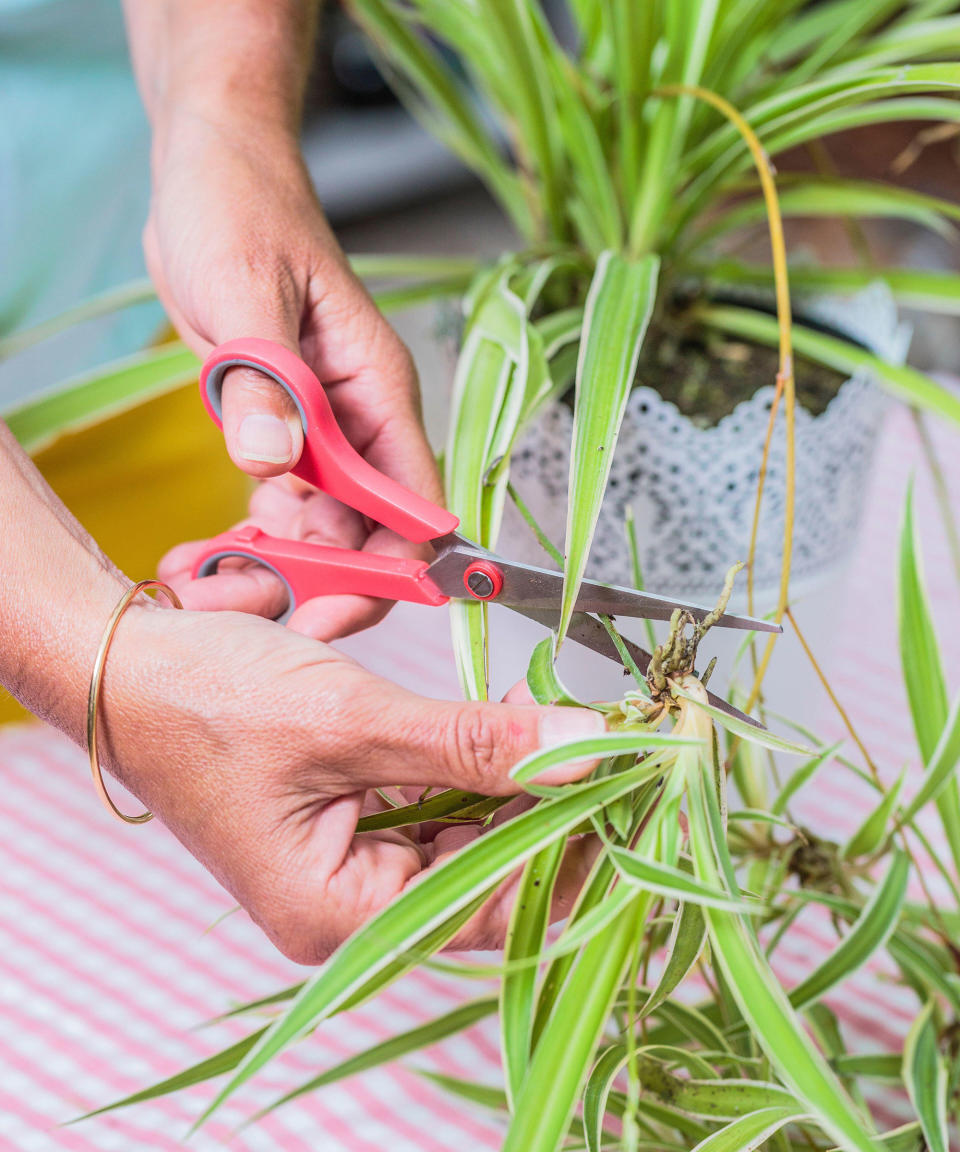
{"type": "Point", "coordinates": [143, 481]}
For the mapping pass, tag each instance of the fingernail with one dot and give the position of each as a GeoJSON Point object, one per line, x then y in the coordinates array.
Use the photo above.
{"type": "Point", "coordinates": [561, 725]}
{"type": "Point", "coordinates": [265, 438]}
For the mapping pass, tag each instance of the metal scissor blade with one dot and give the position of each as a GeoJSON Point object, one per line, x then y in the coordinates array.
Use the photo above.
{"type": "Point", "coordinates": [589, 632]}
{"type": "Point", "coordinates": [526, 586]}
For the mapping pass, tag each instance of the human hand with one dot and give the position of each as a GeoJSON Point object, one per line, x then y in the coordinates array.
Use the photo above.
{"type": "Point", "coordinates": [285, 507]}
{"type": "Point", "coordinates": [237, 245]}
{"type": "Point", "coordinates": [260, 749]}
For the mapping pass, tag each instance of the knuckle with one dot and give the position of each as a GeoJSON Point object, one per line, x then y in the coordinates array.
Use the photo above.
{"type": "Point", "coordinates": [476, 749]}
{"type": "Point", "coordinates": [403, 369]}
{"type": "Point", "coordinates": [406, 367]}
{"type": "Point", "coordinates": [245, 387]}
{"type": "Point", "coordinates": [266, 274]}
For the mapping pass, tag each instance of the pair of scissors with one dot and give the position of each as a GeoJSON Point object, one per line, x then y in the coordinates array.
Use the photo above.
{"type": "Point", "coordinates": [461, 568]}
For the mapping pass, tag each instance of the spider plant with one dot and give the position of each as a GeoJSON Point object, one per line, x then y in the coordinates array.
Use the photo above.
{"type": "Point", "coordinates": [712, 1053]}
{"type": "Point", "coordinates": [627, 163]}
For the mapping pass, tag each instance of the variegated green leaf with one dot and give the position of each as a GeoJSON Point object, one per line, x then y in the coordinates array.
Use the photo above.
{"type": "Point", "coordinates": [619, 305]}
{"type": "Point", "coordinates": [425, 907]}
{"type": "Point", "coordinates": [941, 768]}
{"type": "Point", "coordinates": [687, 939]}
{"type": "Point", "coordinates": [666, 880]}
{"type": "Point", "coordinates": [925, 1075]}
{"type": "Point", "coordinates": [870, 932]}
{"type": "Point", "coordinates": [413, 1041]}
{"type": "Point", "coordinates": [102, 393]}
{"type": "Point", "coordinates": [750, 1131]}
{"type": "Point", "coordinates": [923, 673]}
{"type": "Point", "coordinates": [759, 996]}
{"type": "Point", "coordinates": [525, 938]}
{"type": "Point", "coordinates": [899, 380]}
{"type": "Point", "coordinates": [802, 775]}
{"type": "Point", "coordinates": [870, 835]}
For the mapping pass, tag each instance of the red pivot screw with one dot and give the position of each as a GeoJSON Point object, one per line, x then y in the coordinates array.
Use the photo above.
{"type": "Point", "coordinates": [483, 580]}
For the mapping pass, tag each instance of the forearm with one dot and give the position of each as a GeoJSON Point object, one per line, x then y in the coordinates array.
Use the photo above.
{"type": "Point", "coordinates": [56, 593]}
{"type": "Point", "coordinates": [242, 64]}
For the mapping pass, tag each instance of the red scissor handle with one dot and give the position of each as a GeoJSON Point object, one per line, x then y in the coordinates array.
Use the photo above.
{"type": "Point", "coordinates": [328, 460]}
{"type": "Point", "coordinates": [310, 570]}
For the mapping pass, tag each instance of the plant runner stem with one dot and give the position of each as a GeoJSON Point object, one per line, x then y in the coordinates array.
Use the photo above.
{"type": "Point", "coordinates": [542, 539]}
{"type": "Point", "coordinates": [874, 773]}
{"type": "Point", "coordinates": [847, 722]}
{"type": "Point", "coordinates": [630, 528]}
{"type": "Point", "coordinates": [785, 377]}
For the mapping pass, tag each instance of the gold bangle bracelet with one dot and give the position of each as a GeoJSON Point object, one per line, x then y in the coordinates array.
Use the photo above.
{"type": "Point", "coordinates": [93, 699]}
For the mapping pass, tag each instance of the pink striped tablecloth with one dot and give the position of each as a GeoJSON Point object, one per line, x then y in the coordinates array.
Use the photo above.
{"type": "Point", "coordinates": [108, 963]}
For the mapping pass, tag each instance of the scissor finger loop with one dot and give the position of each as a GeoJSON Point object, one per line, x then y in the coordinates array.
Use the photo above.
{"type": "Point", "coordinates": [461, 569]}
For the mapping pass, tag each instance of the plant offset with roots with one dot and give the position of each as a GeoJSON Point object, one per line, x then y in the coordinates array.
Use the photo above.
{"type": "Point", "coordinates": [675, 658]}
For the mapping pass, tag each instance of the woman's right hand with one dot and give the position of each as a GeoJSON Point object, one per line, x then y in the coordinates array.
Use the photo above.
{"type": "Point", "coordinates": [260, 749]}
{"type": "Point", "coordinates": [257, 746]}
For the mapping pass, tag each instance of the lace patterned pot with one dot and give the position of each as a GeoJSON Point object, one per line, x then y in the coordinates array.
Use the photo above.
{"type": "Point", "coordinates": [692, 489]}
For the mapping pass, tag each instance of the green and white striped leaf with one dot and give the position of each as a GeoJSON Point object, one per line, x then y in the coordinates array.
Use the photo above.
{"type": "Point", "coordinates": [923, 673]}
{"type": "Point", "coordinates": [759, 996]}
{"type": "Point", "coordinates": [942, 766]}
{"type": "Point", "coordinates": [434, 94]}
{"type": "Point", "coordinates": [595, 893]}
{"type": "Point", "coordinates": [802, 775]}
{"type": "Point", "coordinates": [483, 1095]}
{"type": "Point", "coordinates": [103, 304]}
{"type": "Point", "coordinates": [228, 1059]}
{"type": "Point", "coordinates": [619, 305]}
{"type": "Point", "coordinates": [542, 678]}
{"type": "Point", "coordinates": [600, 748]}
{"type": "Point", "coordinates": [920, 288]}
{"type": "Point", "coordinates": [485, 378]}
{"type": "Point", "coordinates": [563, 1055]}
{"type": "Point", "coordinates": [597, 1092]}
{"type": "Point", "coordinates": [684, 948]}
{"type": "Point", "coordinates": [870, 932]}
{"type": "Point", "coordinates": [674, 883]}
{"type": "Point", "coordinates": [861, 200]}
{"type": "Point", "coordinates": [738, 727]}
{"type": "Point", "coordinates": [413, 1041]}
{"type": "Point", "coordinates": [525, 938]}
{"type": "Point", "coordinates": [870, 835]}
{"type": "Point", "coordinates": [748, 1132]}
{"type": "Point", "coordinates": [926, 1078]}
{"type": "Point", "coordinates": [428, 905]}
{"type": "Point", "coordinates": [899, 380]}
{"type": "Point", "coordinates": [102, 393]}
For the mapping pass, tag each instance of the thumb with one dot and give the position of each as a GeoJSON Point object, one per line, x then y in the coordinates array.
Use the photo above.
{"type": "Point", "coordinates": [261, 423]}
{"type": "Point", "coordinates": [475, 746]}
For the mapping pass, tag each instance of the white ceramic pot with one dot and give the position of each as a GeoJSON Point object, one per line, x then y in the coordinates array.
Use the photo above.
{"type": "Point", "coordinates": [692, 490]}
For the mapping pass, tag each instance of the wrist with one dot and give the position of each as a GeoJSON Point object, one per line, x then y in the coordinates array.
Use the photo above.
{"type": "Point", "coordinates": [195, 132]}
{"type": "Point", "coordinates": [240, 68]}
{"type": "Point", "coordinates": [133, 699]}
{"type": "Point", "coordinates": [54, 618]}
